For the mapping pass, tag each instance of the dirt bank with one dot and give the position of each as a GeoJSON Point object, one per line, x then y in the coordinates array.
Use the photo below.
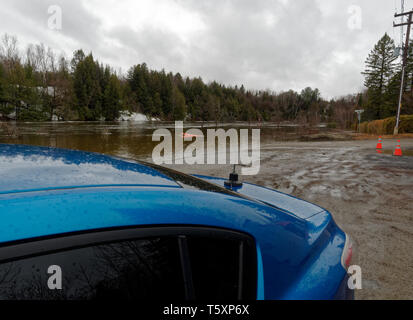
{"type": "Point", "coordinates": [370, 196]}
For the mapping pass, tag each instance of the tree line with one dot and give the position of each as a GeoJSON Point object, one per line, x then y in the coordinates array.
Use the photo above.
{"type": "Point", "coordinates": [39, 85]}
{"type": "Point", "coordinates": [383, 80]}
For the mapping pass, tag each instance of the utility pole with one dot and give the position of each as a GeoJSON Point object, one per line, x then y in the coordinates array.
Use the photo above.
{"type": "Point", "coordinates": [404, 63]}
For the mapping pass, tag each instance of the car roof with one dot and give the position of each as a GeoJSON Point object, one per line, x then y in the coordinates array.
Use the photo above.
{"type": "Point", "coordinates": [36, 214]}
{"type": "Point", "coordinates": [31, 168]}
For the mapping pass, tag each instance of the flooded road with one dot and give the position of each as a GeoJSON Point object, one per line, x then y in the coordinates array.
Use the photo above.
{"type": "Point", "coordinates": [126, 139]}
{"type": "Point", "coordinates": [370, 195]}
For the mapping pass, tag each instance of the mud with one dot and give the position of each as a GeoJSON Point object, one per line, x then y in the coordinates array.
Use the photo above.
{"type": "Point", "coordinates": [370, 196]}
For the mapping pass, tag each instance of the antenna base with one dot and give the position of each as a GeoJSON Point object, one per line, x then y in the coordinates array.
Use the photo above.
{"type": "Point", "coordinates": [233, 181]}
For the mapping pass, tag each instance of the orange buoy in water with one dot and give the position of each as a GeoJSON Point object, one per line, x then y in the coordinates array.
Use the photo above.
{"type": "Point", "coordinates": [398, 151]}
{"type": "Point", "coordinates": [380, 144]}
{"type": "Point", "coordinates": [187, 135]}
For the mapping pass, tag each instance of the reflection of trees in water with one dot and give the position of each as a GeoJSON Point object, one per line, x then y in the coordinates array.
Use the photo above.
{"type": "Point", "coordinates": [125, 270]}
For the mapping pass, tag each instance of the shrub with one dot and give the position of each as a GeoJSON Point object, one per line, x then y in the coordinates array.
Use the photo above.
{"type": "Point", "coordinates": [406, 124]}
{"type": "Point", "coordinates": [386, 126]}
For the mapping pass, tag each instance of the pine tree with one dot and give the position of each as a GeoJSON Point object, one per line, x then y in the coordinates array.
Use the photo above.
{"type": "Point", "coordinates": [392, 93]}
{"type": "Point", "coordinates": [179, 105]}
{"type": "Point", "coordinates": [409, 70]}
{"type": "Point", "coordinates": [379, 70]}
{"type": "Point", "coordinates": [391, 96]}
{"type": "Point", "coordinates": [88, 89]}
{"type": "Point", "coordinates": [167, 96]}
{"type": "Point", "coordinates": [78, 56]}
{"type": "Point", "coordinates": [111, 100]}
{"type": "Point", "coordinates": [138, 81]}
{"type": "Point", "coordinates": [407, 99]}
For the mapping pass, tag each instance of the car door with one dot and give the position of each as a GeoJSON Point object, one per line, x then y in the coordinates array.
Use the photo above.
{"type": "Point", "coordinates": [157, 263]}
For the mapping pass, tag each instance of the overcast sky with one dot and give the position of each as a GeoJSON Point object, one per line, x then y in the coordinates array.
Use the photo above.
{"type": "Point", "coordinates": [276, 45]}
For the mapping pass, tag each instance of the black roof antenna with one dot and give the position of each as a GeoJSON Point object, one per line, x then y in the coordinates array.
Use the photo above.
{"type": "Point", "coordinates": [233, 181]}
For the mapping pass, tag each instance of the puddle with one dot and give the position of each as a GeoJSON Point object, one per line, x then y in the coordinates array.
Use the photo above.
{"type": "Point", "coordinates": [407, 153]}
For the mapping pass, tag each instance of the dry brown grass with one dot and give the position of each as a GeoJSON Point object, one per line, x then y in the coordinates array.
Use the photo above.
{"type": "Point", "coordinates": [386, 126]}
{"type": "Point", "coordinates": [364, 136]}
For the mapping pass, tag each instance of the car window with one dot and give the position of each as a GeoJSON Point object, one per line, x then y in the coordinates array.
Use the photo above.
{"type": "Point", "coordinates": [215, 267]}
{"type": "Point", "coordinates": [222, 269]}
{"type": "Point", "coordinates": [140, 269]}
{"type": "Point", "coordinates": [167, 267]}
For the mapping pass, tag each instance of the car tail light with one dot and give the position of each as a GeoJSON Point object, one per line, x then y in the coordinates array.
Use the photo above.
{"type": "Point", "coordinates": [347, 253]}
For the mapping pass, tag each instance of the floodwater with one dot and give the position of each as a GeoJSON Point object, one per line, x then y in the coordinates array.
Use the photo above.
{"type": "Point", "coordinates": [127, 139]}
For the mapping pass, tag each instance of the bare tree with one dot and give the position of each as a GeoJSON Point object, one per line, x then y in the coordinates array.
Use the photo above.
{"type": "Point", "coordinates": [31, 57]}
{"type": "Point", "coordinates": [9, 52]}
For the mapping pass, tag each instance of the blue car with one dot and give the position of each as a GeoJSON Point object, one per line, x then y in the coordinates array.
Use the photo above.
{"type": "Point", "coordinates": [77, 225]}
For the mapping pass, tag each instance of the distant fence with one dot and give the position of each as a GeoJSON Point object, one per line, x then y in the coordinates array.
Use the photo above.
{"type": "Point", "coordinates": [386, 126]}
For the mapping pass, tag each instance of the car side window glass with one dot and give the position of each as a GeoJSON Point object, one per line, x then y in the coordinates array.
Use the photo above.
{"type": "Point", "coordinates": [138, 269]}
{"type": "Point", "coordinates": [215, 266]}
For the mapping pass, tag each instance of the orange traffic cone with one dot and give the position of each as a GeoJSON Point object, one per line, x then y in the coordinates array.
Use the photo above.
{"type": "Point", "coordinates": [398, 151]}
{"type": "Point", "coordinates": [379, 145]}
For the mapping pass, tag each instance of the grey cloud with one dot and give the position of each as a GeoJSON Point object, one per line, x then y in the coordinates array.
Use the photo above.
{"type": "Point", "coordinates": [158, 48]}
{"type": "Point", "coordinates": [243, 43]}
{"type": "Point", "coordinates": [78, 24]}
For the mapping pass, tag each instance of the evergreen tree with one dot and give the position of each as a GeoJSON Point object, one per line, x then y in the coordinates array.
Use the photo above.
{"type": "Point", "coordinates": [138, 81]}
{"type": "Point", "coordinates": [379, 70]}
{"type": "Point", "coordinates": [112, 99]}
{"type": "Point", "coordinates": [87, 88]}
{"type": "Point", "coordinates": [78, 56]}
{"type": "Point", "coordinates": [167, 96]}
{"type": "Point", "coordinates": [408, 83]}
{"type": "Point", "coordinates": [391, 96]}
{"type": "Point", "coordinates": [179, 104]}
